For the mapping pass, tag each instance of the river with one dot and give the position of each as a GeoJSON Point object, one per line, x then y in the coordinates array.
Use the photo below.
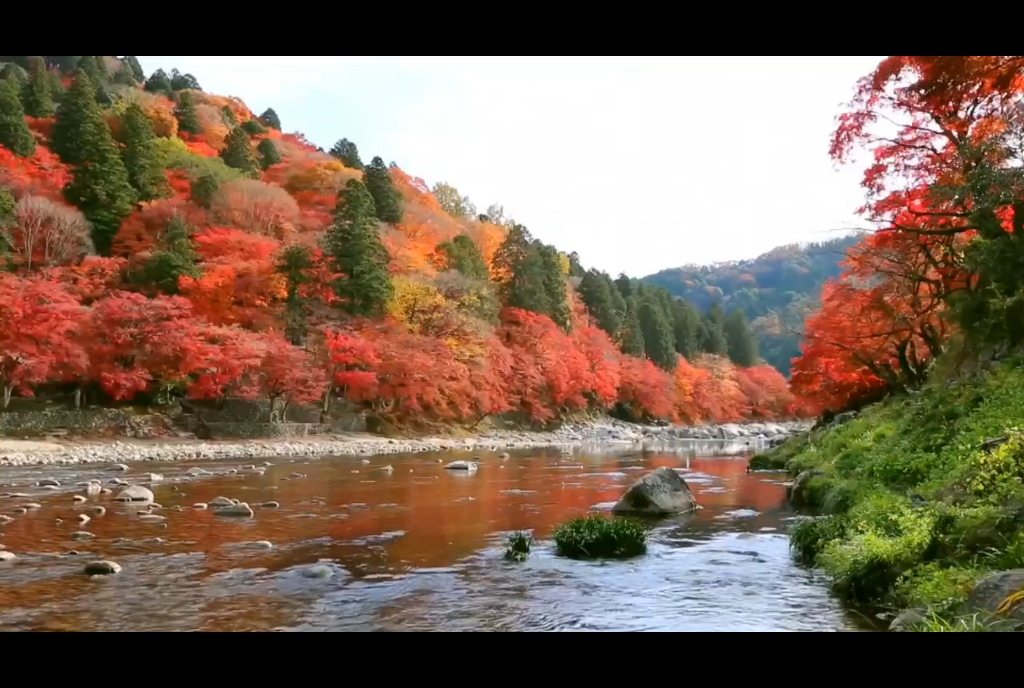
{"type": "Point", "coordinates": [355, 548]}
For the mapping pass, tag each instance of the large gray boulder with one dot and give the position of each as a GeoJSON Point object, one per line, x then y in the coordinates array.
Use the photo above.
{"type": "Point", "coordinates": [991, 591]}
{"type": "Point", "coordinates": [661, 492]}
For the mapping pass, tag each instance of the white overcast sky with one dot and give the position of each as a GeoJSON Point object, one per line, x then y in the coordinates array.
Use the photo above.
{"type": "Point", "coordinates": [637, 164]}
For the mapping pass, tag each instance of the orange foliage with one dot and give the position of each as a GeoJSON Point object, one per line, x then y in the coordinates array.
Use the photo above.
{"type": "Point", "coordinates": [42, 128]}
{"type": "Point", "coordinates": [141, 232]}
{"type": "Point", "coordinates": [42, 174]}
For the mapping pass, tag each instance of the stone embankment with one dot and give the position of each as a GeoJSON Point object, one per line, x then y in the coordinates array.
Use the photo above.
{"type": "Point", "coordinates": [607, 435]}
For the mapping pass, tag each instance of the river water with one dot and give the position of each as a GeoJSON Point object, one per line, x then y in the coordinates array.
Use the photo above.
{"type": "Point", "coordinates": [355, 548]}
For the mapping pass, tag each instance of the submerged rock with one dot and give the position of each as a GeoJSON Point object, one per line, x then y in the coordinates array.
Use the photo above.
{"type": "Point", "coordinates": [662, 491]}
{"type": "Point", "coordinates": [135, 493]}
{"type": "Point", "coordinates": [462, 466]}
{"type": "Point", "coordinates": [240, 510]}
{"type": "Point", "coordinates": [101, 568]}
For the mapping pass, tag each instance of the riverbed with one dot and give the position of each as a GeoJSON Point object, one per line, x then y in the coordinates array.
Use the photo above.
{"type": "Point", "coordinates": [344, 544]}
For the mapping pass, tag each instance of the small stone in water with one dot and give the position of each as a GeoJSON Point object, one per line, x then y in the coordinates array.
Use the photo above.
{"type": "Point", "coordinates": [199, 506]}
{"type": "Point", "coordinates": [6, 556]}
{"type": "Point", "coordinates": [82, 535]}
{"type": "Point", "coordinates": [269, 505]}
{"type": "Point", "coordinates": [79, 499]}
{"type": "Point", "coordinates": [102, 568]}
{"type": "Point", "coordinates": [98, 511]}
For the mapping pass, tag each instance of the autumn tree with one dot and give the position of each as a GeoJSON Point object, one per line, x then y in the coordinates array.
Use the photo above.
{"type": "Point", "coordinates": [141, 156]}
{"type": "Point", "coordinates": [158, 82]}
{"type": "Point", "coordinates": [348, 153]}
{"type": "Point", "coordinates": [36, 95]}
{"type": "Point", "coordinates": [185, 113]}
{"type": "Point", "coordinates": [238, 153]}
{"type": "Point", "coordinates": [740, 340]}
{"type": "Point", "coordinates": [44, 233]}
{"type": "Point", "coordinates": [268, 153]}
{"type": "Point", "coordinates": [452, 202]}
{"type": "Point", "coordinates": [14, 132]}
{"type": "Point", "coordinates": [386, 199]}
{"type": "Point", "coordinates": [357, 254]}
{"type": "Point", "coordinates": [99, 187]}
{"type": "Point", "coordinates": [270, 119]}
{"type": "Point", "coordinates": [462, 254]}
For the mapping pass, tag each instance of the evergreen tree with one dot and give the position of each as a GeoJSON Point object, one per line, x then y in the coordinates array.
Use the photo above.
{"type": "Point", "coordinates": [7, 204]}
{"type": "Point", "coordinates": [712, 336]}
{"type": "Point", "coordinates": [520, 270]}
{"type": "Point", "coordinates": [252, 127]}
{"type": "Point", "coordinates": [270, 119]}
{"type": "Point", "coordinates": [659, 342]}
{"type": "Point", "coordinates": [125, 76]}
{"type": "Point", "coordinates": [14, 72]}
{"type": "Point", "coordinates": [159, 82]}
{"type": "Point", "coordinates": [238, 153]}
{"type": "Point", "coordinates": [740, 340]}
{"type": "Point", "coordinates": [386, 198]}
{"type": "Point", "coordinates": [631, 337]}
{"type": "Point", "coordinates": [99, 186]}
{"type": "Point", "coordinates": [686, 327]}
{"type": "Point", "coordinates": [95, 67]}
{"type": "Point", "coordinates": [182, 82]}
{"type": "Point", "coordinates": [294, 264]}
{"type": "Point", "coordinates": [268, 153]}
{"type": "Point", "coordinates": [462, 254]}
{"type": "Point", "coordinates": [185, 113]}
{"type": "Point", "coordinates": [357, 253]}
{"type": "Point", "coordinates": [65, 63]}
{"type": "Point", "coordinates": [576, 269]}
{"type": "Point", "coordinates": [625, 286]}
{"type": "Point", "coordinates": [14, 132]}
{"type": "Point", "coordinates": [141, 155]}
{"type": "Point", "coordinates": [554, 286]}
{"type": "Point", "coordinates": [229, 117]}
{"type": "Point", "coordinates": [175, 260]}
{"type": "Point", "coordinates": [203, 190]}
{"type": "Point", "coordinates": [347, 152]}
{"type": "Point", "coordinates": [132, 63]}
{"type": "Point", "coordinates": [36, 95]}
{"type": "Point", "coordinates": [596, 291]}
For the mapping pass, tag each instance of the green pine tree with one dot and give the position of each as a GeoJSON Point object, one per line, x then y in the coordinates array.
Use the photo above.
{"type": "Point", "coordinates": [252, 127]}
{"type": "Point", "coordinates": [386, 198]}
{"type": "Point", "coordinates": [141, 155]}
{"type": "Point", "coordinates": [521, 275]}
{"type": "Point", "coordinates": [229, 117]}
{"type": "Point", "coordinates": [596, 291]}
{"type": "Point", "coordinates": [659, 342]}
{"type": "Point", "coordinates": [176, 259]}
{"type": "Point", "coordinates": [294, 264]}
{"type": "Point", "coordinates": [631, 337]}
{"type": "Point", "coordinates": [686, 327]}
{"type": "Point", "coordinates": [203, 190]}
{"type": "Point", "coordinates": [182, 82]}
{"type": "Point", "coordinates": [270, 119]}
{"type": "Point", "coordinates": [347, 152]}
{"type": "Point", "coordinates": [185, 113]}
{"type": "Point", "coordinates": [14, 72]}
{"type": "Point", "coordinates": [99, 186]}
{"type": "Point", "coordinates": [132, 63]}
{"type": "Point", "coordinates": [462, 254]}
{"type": "Point", "coordinates": [14, 132]}
{"type": "Point", "coordinates": [357, 253]}
{"type": "Point", "coordinates": [36, 95]}
{"type": "Point", "coordinates": [268, 153]}
{"type": "Point", "coordinates": [159, 82]}
{"type": "Point", "coordinates": [96, 68]}
{"type": "Point", "coordinates": [740, 340]}
{"type": "Point", "coordinates": [712, 336]}
{"type": "Point", "coordinates": [238, 153]}
{"type": "Point", "coordinates": [554, 286]}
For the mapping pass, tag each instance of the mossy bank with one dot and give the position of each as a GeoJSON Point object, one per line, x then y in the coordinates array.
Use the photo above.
{"type": "Point", "coordinates": [918, 500]}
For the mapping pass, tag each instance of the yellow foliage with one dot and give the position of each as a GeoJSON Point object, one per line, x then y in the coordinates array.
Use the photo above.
{"type": "Point", "coordinates": [563, 263]}
{"type": "Point", "coordinates": [321, 177]}
{"type": "Point", "coordinates": [417, 304]}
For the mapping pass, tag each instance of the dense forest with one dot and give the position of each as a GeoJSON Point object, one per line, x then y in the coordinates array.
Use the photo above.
{"type": "Point", "coordinates": [776, 291]}
{"type": "Point", "coordinates": [159, 242]}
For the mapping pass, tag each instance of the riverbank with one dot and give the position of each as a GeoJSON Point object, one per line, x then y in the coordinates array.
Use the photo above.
{"type": "Point", "coordinates": [749, 437]}
{"type": "Point", "coordinates": [919, 503]}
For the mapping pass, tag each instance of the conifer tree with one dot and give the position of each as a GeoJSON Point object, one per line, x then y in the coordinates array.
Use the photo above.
{"type": "Point", "coordinates": [386, 198]}
{"type": "Point", "coordinates": [141, 155]}
{"type": "Point", "coordinates": [270, 119]}
{"type": "Point", "coordinates": [357, 253]}
{"type": "Point", "coordinates": [631, 337]}
{"type": "Point", "coordinates": [175, 260]}
{"type": "Point", "coordinates": [347, 152]}
{"type": "Point", "coordinates": [659, 343]}
{"type": "Point", "coordinates": [14, 132]}
{"type": "Point", "coordinates": [553, 281]}
{"type": "Point", "coordinates": [185, 113]}
{"type": "Point", "coordinates": [36, 95]}
{"type": "Point", "coordinates": [268, 153]}
{"type": "Point", "coordinates": [159, 82]}
{"type": "Point", "coordinates": [99, 185]}
{"type": "Point", "coordinates": [294, 264]}
{"type": "Point", "coordinates": [238, 153]}
{"type": "Point", "coordinates": [132, 63]}
{"type": "Point", "coordinates": [686, 327]}
{"type": "Point", "coordinates": [229, 117]}
{"type": "Point", "coordinates": [203, 190]}
{"type": "Point", "coordinates": [462, 254]}
{"type": "Point", "coordinates": [595, 290]}
{"type": "Point", "coordinates": [740, 340]}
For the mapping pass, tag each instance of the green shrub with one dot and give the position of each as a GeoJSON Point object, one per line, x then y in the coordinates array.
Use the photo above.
{"type": "Point", "coordinates": [519, 544]}
{"type": "Point", "coordinates": [600, 537]}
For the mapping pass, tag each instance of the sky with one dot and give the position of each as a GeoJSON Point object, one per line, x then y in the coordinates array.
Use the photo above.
{"type": "Point", "coordinates": [637, 164]}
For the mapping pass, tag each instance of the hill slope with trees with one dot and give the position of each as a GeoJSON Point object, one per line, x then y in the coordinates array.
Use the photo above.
{"type": "Point", "coordinates": [160, 242]}
{"type": "Point", "coordinates": [776, 291]}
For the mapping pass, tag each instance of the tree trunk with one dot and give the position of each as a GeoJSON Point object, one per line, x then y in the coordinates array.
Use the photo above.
{"type": "Point", "coordinates": [8, 390]}
{"type": "Point", "coordinates": [78, 398]}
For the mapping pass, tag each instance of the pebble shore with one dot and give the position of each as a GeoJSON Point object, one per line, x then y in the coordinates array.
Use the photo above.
{"type": "Point", "coordinates": [592, 436]}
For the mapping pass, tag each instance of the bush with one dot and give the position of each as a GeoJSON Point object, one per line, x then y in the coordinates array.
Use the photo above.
{"type": "Point", "coordinates": [518, 546]}
{"type": "Point", "coordinates": [253, 127]}
{"type": "Point", "coordinates": [599, 537]}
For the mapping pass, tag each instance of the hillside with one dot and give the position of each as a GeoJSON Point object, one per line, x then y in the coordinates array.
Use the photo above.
{"type": "Point", "coordinates": [777, 291]}
{"type": "Point", "coordinates": [161, 242]}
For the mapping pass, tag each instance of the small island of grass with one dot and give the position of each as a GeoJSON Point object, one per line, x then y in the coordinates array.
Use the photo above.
{"type": "Point", "coordinates": [600, 537]}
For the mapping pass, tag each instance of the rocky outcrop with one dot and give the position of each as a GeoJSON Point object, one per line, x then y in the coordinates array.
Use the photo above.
{"type": "Point", "coordinates": [992, 592]}
{"type": "Point", "coordinates": [660, 493]}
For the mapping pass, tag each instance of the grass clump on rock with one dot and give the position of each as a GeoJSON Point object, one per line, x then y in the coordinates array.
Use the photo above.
{"type": "Point", "coordinates": [518, 546]}
{"type": "Point", "coordinates": [599, 537]}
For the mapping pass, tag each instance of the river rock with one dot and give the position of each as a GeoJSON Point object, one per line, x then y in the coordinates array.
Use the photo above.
{"type": "Point", "coordinates": [462, 466]}
{"type": "Point", "coordinates": [269, 505]}
{"type": "Point", "coordinates": [196, 471]}
{"type": "Point", "coordinates": [98, 511]}
{"type": "Point", "coordinates": [221, 501]}
{"type": "Point", "coordinates": [991, 591]}
{"type": "Point", "coordinates": [93, 488]}
{"type": "Point", "coordinates": [905, 619]}
{"type": "Point", "coordinates": [48, 482]}
{"type": "Point", "coordinates": [82, 535]}
{"type": "Point", "coordinates": [78, 499]}
{"type": "Point", "coordinates": [102, 568]}
{"type": "Point", "coordinates": [5, 519]}
{"type": "Point", "coordinates": [662, 491]}
{"type": "Point", "coordinates": [135, 493]}
{"type": "Point", "coordinates": [240, 510]}
{"type": "Point", "coordinates": [6, 556]}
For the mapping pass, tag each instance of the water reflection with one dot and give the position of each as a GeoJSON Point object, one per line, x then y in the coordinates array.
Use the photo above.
{"type": "Point", "coordinates": [356, 548]}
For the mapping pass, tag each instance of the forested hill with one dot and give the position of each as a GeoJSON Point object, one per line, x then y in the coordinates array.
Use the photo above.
{"type": "Point", "coordinates": [776, 291]}
{"type": "Point", "coordinates": [158, 242]}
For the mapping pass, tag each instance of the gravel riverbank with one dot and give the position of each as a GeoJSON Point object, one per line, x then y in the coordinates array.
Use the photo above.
{"type": "Point", "coordinates": [594, 436]}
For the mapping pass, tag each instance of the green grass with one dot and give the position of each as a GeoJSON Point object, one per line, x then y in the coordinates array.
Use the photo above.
{"type": "Point", "coordinates": [601, 537]}
{"type": "Point", "coordinates": [910, 509]}
{"type": "Point", "coordinates": [519, 544]}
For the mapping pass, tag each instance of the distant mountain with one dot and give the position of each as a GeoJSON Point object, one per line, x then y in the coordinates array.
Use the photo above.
{"type": "Point", "coordinates": [776, 290]}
